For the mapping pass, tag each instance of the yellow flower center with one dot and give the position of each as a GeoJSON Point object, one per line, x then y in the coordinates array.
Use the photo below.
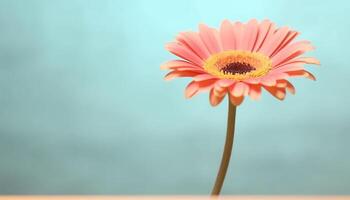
{"type": "Point", "coordinates": [238, 65]}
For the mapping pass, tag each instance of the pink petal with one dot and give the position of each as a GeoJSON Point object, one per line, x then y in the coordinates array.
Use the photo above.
{"type": "Point", "coordinates": [288, 67]}
{"type": "Point", "coordinates": [195, 43]}
{"type": "Point", "coordinates": [184, 52]}
{"type": "Point", "coordinates": [239, 89]}
{"type": "Point", "coordinates": [174, 74]}
{"type": "Point", "coordinates": [290, 88]}
{"type": "Point", "coordinates": [250, 35]}
{"type": "Point", "coordinates": [301, 73]}
{"type": "Point", "coordinates": [206, 85]}
{"type": "Point", "coordinates": [211, 38]}
{"type": "Point", "coordinates": [227, 35]}
{"type": "Point", "coordinates": [255, 91]}
{"type": "Point", "coordinates": [238, 29]}
{"type": "Point", "coordinates": [271, 78]}
{"type": "Point", "coordinates": [266, 29]}
{"type": "Point", "coordinates": [252, 80]}
{"type": "Point", "coordinates": [203, 77]}
{"type": "Point", "coordinates": [178, 63]}
{"type": "Point", "coordinates": [277, 75]}
{"type": "Point", "coordinates": [268, 81]}
{"type": "Point", "coordinates": [271, 45]}
{"type": "Point", "coordinates": [191, 89]}
{"type": "Point", "coordinates": [286, 84]}
{"type": "Point", "coordinates": [279, 93]}
{"type": "Point", "coordinates": [281, 83]}
{"type": "Point", "coordinates": [301, 60]}
{"type": "Point", "coordinates": [291, 51]}
{"type": "Point", "coordinates": [189, 69]}
{"type": "Point", "coordinates": [225, 82]}
{"type": "Point", "coordinates": [290, 36]}
{"type": "Point", "coordinates": [307, 60]}
{"type": "Point", "coordinates": [216, 97]}
{"type": "Point", "coordinates": [236, 100]}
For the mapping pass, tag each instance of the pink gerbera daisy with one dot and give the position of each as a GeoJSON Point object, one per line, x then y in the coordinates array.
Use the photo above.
{"type": "Point", "coordinates": [239, 60]}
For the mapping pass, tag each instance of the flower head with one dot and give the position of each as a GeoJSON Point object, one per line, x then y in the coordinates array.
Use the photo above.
{"type": "Point", "coordinates": [239, 60]}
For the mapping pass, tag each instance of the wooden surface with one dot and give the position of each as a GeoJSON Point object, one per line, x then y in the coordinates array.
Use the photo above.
{"type": "Point", "coordinates": [174, 197]}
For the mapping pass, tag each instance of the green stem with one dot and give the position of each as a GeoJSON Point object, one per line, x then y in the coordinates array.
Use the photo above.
{"type": "Point", "coordinates": [231, 118]}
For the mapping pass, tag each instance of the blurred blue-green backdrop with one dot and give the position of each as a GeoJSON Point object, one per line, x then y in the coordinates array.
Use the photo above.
{"type": "Point", "coordinates": [84, 109]}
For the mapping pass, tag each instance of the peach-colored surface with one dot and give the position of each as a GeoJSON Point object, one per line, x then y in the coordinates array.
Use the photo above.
{"type": "Point", "coordinates": [196, 49]}
{"type": "Point", "coordinates": [174, 197]}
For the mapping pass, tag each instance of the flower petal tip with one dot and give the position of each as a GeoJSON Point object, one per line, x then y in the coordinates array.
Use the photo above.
{"type": "Point", "coordinates": [291, 90]}
{"type": "Point", "coordinates": [317, 62]}
{"type": "Point", "coordinates": [191, 89]}
{"type": "Point", "coordinates": [311, 77]}
{"type": "Point", "coordinates": [166, 46]}
{"type": "Point", "coordinates": [169, 77]}
{"type": "Point", "coordinates": [188, 94]}
{"type": "Point", "coordinates": [236, 100]}
{"type": "Point", "coordinates": [212, 104]}
{"type": "Point", "coordinates": [281, 96]}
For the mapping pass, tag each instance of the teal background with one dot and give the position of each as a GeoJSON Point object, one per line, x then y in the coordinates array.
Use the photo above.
{"type": "Point", "coordinates": [84, 108]}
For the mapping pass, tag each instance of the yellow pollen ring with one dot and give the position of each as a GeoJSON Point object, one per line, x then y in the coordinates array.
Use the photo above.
{"type": "Point", "coordinates": [261, 64]}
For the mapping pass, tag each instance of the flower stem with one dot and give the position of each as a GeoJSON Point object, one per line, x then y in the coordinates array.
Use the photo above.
{"type": "Point", "coordinates": [231, 119]}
